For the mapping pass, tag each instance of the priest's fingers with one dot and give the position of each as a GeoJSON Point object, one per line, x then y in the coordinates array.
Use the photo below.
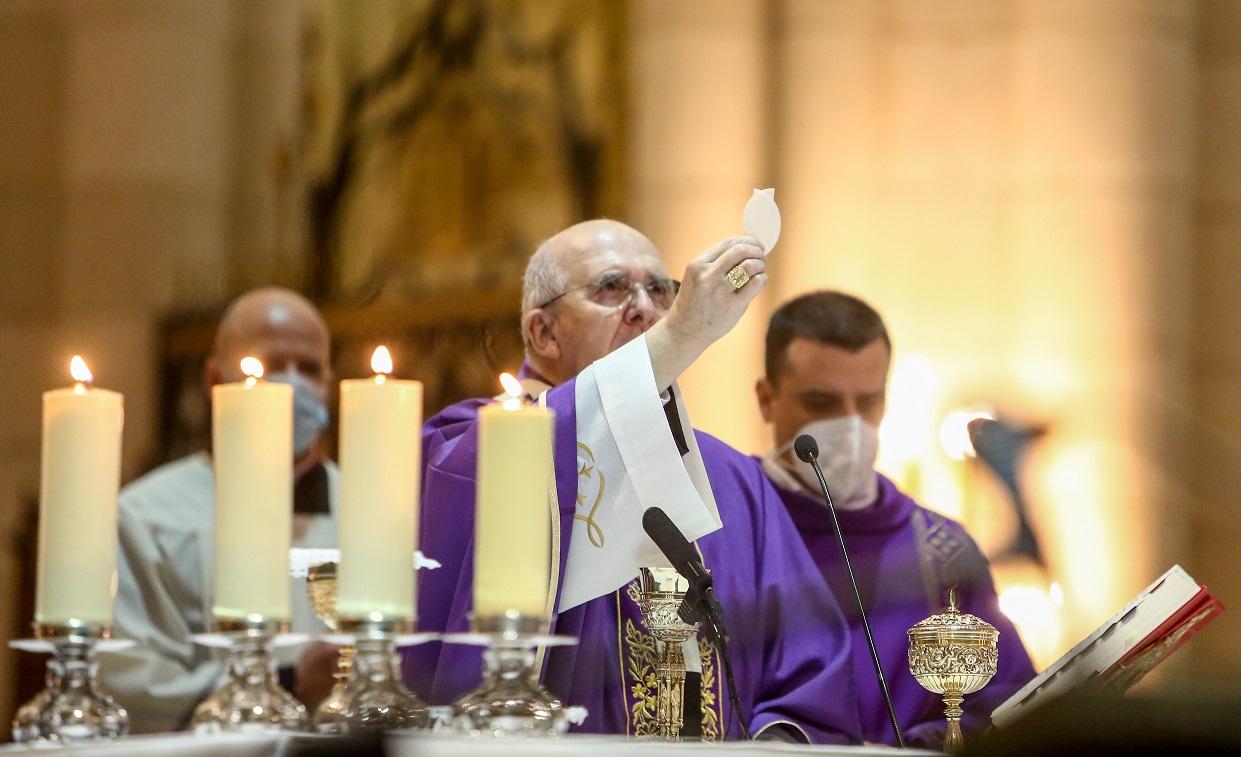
{"type": "Point", "coordinates": [737, 253]}
{"type": "Point", "coordinates": [712, 253]}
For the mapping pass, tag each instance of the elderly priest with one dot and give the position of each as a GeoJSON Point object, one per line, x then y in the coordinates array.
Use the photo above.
{"type": "Point", "coordinates": [607, 332]}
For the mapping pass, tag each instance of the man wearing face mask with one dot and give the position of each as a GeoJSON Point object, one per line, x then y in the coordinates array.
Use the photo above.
{"type": "Point", "coordinates": [166, 520]}
{"type": "Point", "coordinates": [827, 360]}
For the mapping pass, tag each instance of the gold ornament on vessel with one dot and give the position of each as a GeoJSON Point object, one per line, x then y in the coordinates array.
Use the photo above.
{"type": "Point", "coordinates": [953, 654]}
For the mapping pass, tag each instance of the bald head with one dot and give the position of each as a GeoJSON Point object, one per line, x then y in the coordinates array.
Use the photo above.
{"type": "Point", "coordinates": [565, 325]}
{"type": "Point", "coordinates": [550, 268]}
{"type": "Point", "coordinates": [279, 327]}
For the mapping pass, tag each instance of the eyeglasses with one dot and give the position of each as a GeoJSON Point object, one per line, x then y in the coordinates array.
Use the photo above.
{"type": "Point", "coordinates": [617, 290]}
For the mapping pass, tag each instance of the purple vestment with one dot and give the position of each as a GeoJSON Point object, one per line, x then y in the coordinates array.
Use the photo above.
{"type": "Point", "coordinates": [789, 642]}
{"type": "Point", "coordinates": [905, 557]}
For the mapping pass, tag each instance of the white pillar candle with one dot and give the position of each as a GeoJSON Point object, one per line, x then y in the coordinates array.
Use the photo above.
{"type": "Point", "coordinates": [380, 461]}
{"type": "Point", "coordinates": [512, 536]}
{"type": "Point", "coordinates": [252, 450]}
{"type": "Point", "coordinates": [81, 472]}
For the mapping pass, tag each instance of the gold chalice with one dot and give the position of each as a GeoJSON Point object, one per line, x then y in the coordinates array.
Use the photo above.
{"type": "Point", "coordinates": [953, 654]}
{"type": "Point", "coordinates": [333, 712]}
{"type": "Point", "coordinates": [662, 590]}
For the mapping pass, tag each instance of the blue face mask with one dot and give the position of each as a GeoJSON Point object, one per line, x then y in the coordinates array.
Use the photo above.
{"type": "Point", "coordinates": [310, 414]}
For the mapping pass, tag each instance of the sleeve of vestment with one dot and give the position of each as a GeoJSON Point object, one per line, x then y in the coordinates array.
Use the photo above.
{"type": "Point", "coordinates": [807, 681]}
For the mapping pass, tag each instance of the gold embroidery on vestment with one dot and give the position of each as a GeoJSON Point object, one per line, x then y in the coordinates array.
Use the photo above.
{"type": "Point", "coordinates": [590, 471]}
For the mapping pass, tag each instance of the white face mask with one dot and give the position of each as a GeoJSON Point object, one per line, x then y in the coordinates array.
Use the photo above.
{"type": "Point", "coordinates": [847, 450]}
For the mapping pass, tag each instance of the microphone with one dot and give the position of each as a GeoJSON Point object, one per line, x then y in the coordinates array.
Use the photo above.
{"type": "Point", "coordinates": [675, 547]}
{"type": "Point", "coordinates": [807, 450]}
{"type": "Point", "coordinates": [700, 603]}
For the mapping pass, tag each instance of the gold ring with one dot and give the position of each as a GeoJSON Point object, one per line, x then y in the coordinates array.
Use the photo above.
{"type": "Point", "coordinates": [737, 276]}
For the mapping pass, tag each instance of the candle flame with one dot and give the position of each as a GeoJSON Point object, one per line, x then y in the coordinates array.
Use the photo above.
{"type": "Point", "coordinates": [252, 367]}
{"type": "Point", "coordinates": [79, 371]}
{"type": "Point", "coordinates": [512, 388]}
{"type": "Point", "coordinates": [381, 360]}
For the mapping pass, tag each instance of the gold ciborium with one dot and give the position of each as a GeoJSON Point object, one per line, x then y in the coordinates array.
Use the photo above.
{"type": "Point", "coordinates": [953, 654]}
{"type": "Point", "coordinates": [661, 592]}
{"type": "Point", "coordinates": [333, 713]}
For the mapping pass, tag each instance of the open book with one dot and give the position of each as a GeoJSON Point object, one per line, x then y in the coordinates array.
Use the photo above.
{"type": "Point", "coordinates": [1125, 648]}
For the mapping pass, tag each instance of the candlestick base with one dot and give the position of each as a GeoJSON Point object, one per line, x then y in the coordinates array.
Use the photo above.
{"type": "Point", "coordinates": [71, 707]}
{"type": "Point", "coordinates": [369, 693]}
{"type": "Point", "coordinates": [250, 696]}
{"type": "Point", "coordinates": [510, 701]}
{"type": "Point", "coordinates": [373, 695]}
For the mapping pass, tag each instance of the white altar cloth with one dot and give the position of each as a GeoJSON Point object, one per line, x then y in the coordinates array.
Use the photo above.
{"type": "Point", "coordinates": [268, 744]}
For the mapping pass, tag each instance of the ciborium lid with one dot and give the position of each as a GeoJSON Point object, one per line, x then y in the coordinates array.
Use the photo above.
{"type": "Point", "coordinates": [953, 626]}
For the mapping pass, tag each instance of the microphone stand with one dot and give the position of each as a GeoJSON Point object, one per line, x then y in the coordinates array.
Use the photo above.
{"type": "Point", "coordinates": [701, 606]}
{"type": "Point", "coordinates": [870, 639]}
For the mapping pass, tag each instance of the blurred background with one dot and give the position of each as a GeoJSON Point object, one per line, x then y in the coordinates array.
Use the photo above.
{"type": "Point", "coordinates": [1043, 197]}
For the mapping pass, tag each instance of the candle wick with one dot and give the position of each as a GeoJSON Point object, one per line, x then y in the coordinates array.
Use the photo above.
{"type": "Point", "coordinates": [79, 387]}
{"type": "Point", "coordinates": [381, 378]}
{"type": "Point", "coordinates": [251, 381]}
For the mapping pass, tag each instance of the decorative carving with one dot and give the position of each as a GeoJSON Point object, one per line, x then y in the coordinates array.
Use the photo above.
{"type": "Point", "coordinates": [953, 654]}
{"type": "Point", "coordinates": [445, 139]}
{"type": "Point", "coordinates": [961, 660]}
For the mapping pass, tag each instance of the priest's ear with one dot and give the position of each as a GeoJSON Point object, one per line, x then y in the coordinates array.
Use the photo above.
{"type": "Point", "coordinates": [538, 334]}
{"type": "Point", "coordinates": [765, 392]}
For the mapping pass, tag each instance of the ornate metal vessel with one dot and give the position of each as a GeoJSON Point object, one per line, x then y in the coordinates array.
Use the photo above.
{"type": "Point", "coordinates": [953, 654]}
{"type": "Point", "coordinates": [661, 592]}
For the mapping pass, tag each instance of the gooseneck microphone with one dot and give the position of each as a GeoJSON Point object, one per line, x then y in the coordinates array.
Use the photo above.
{"type": "Point", "coordinates": [700, 604]}
{"type": "Point", "coordinates": [807, 450]}
{"type": "Point", "coordinates": [685, 559]}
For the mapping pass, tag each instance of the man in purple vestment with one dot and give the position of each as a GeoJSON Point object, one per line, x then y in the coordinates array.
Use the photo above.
{"type": "Point", "coordinates": [827, 359]}
{"type": "Point", "coordinates": [588, 291]}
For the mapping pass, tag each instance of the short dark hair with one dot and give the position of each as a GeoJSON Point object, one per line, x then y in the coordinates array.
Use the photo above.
{"type": "Point", "coordinates": [827, 317]}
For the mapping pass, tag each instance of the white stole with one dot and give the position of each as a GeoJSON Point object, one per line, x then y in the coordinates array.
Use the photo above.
{"type": "Point", "coordinates": [628, 461]}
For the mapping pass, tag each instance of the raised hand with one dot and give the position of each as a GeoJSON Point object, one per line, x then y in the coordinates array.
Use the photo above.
{"type": "Point", "coordinates": [708, 305]}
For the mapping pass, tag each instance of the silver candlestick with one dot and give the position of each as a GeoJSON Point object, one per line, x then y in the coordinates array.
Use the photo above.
{"type": "Point", "coordinates": [510, 701]}
{"type": "Point", "coordinates": [661, 592]}
{"type": "Point", "coordinates": [374, 695]}
{"type": "Point", "coordinates": [369, 692]}
{"type": "Point", "coordinates": [70, 707]}
{"type": "Point", "coordinates": [249, 697]}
